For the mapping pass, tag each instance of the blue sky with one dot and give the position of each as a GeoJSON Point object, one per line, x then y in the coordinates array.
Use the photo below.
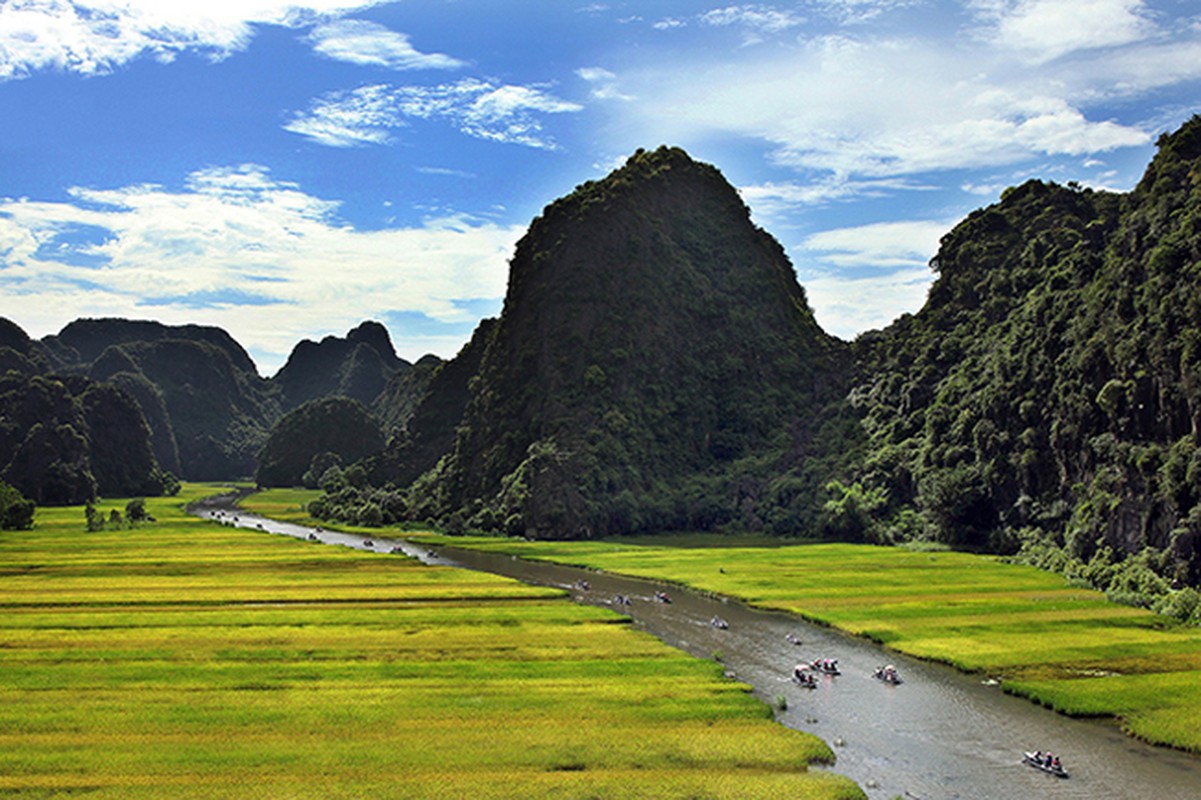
{"type": "Point", "coordinates": [286, 170]}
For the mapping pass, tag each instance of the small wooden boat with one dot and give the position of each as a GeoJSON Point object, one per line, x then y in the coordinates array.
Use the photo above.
{"type": "Point", "coordinates": [1039, 761]}
{"type": "Point", "coordinates": [887, 674]}
{"type": "Point", "coordinates": [802, 678]}
{"type": "Point", "coordinates": [829, 666]}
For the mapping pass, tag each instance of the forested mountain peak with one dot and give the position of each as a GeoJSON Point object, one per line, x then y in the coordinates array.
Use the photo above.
{"type": "Point", "coordinates": [1048, 394]}
{"type": "Point", "coordinates": [83, 340]}
{"type": "Point", "coordinates": [358, 366]}
{"type": "Point", "coordinates": [650, 333]}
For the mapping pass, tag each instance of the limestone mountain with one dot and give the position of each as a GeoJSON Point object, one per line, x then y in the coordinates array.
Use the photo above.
{"type": "Point", "coordinates": [653, 344]}
{"type": "Point", "coordinates": [397, 403]}
{"type": "Point", "coordinates": [427, 407]}
{"type": "Point", "coordinates": [219, 412]}
{"type": "Point", "coordinates": [329, 431]}
{"type": "Point", "coordinates": [83, 341]}
{"type": "Point", "coordinates": [1049, 391]}
{"type": "Point", "coordinates": [64, 439]}
{"type": "Point", "coordinates": [358, 366]}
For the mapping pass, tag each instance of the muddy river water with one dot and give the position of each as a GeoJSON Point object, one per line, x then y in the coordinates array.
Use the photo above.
{"type": "Point", "coordinates": [939, 734]}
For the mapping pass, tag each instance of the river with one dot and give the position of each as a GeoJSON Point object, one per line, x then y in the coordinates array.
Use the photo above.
{"type": "Point", "coordinates": [939, 734]}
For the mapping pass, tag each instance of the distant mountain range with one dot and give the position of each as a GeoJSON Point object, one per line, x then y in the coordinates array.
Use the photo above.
{"type": "Point", "coordinates": [656, 366]}
{"type": "Point", "coordinates": [205, 412]}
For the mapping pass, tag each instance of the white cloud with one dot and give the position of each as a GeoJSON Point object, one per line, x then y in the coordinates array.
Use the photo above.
{"type": "Point", "coordinates": [758, 18]}
{"type": "Point", "coordinates": [1047, 29]}
{"type": "Point", "coordinates": [502, 113]}
{"type": "Point", "coordinates": [368, 44]}
{"type": "Point", "coordinates": [146, 251]}
{"type": "Point", "coordinates": [846, 307]}
{"type": "Point", "coordinates": [604, 83]}
{"type": "Point", "coordinates": [864, 277]}
{"type": "Point", "coordinates": [348, 119]}
{"type": "Point", "coordinates": [853, 12]}
{"type": "Point", "coordinates": [95, 36]}
{"type": "Point", "coordinates": [774, 197]}
{"type": "Point", "coordinates": [877, 107]}
{"type": "Point", "coordinates": [879, 245]}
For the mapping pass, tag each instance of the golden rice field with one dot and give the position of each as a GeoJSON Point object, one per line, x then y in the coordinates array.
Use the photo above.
{"type": "Point", "coordinates": [182, 659]}
{"type": "Point", "coordinates": [1062, 646]}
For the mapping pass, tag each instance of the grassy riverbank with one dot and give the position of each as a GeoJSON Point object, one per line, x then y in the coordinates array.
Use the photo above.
{"type": "Point", "coordinates": [185, 659]}
{"type": "Point", "coordinates": [1059, 645]}
{"type": "Point", "coordinates": [1065, 647]}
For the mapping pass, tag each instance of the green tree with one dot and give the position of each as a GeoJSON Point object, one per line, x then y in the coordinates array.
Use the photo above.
{"type": "Point", "coordinates": [16, 512]}
{"type": "Point", "coordinates": [135, 510]}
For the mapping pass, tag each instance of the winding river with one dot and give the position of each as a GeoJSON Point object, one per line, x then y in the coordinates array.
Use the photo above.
{"type": "Point", "coordinates": [939, 734]}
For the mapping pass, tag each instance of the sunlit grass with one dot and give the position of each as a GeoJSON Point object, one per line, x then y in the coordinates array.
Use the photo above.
{"type": "Point", "coordinates": [186, 659]}
{"type": "Point", "coordinates": [1063, 646]}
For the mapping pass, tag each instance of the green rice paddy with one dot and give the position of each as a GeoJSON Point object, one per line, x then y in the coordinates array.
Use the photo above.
{"type": "Point", "coordinates": [1065, 647]}
{"type": "Point", "coordinates": [186, 659]}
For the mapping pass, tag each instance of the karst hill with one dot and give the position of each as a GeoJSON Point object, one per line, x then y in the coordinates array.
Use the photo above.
{"type": "Point", "coordinates": [652, 342]}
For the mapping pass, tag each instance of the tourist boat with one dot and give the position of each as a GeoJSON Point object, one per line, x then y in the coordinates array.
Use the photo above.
{"type": "Point", "coordinates": [719, 623]}
{"type": "Point", "coordinates": [802, 678]}
{"type": "Point", "coordinates": [661, 597]}
{"type": "Point", "coordinates": [887, 674]}
{"type": "Point", "coordinates": [827, 665]}
{"type": "Point", "coordinates": [1039, 761]}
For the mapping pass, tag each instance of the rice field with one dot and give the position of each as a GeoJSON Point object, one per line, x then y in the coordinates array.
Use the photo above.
{"type": "Point", "coordinates": [186, 659]}
{"type": "Point", "coordinates": [1065, 647]}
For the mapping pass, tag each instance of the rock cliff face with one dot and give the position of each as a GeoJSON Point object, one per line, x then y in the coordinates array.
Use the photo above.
{"type": "Point", "coordinates": [1051, 385]}
{"type": "Point", "coordinates": [217, 412]}
{"type": "Point", "coordinates": [359, 367]}
{"type": "Point", "coordinates": [651, 335]}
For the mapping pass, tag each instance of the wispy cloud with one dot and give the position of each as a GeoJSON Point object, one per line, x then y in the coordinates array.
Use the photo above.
{"type": "Point", "coordinates": [241, 249]}
{"type": "Point", "coordinates": [879, 245]}
{"type": "Point", "coordinates": [845, 307]}
{"type": "Point", "coordinates": [860, 278]}
{"type": "Point", "coordinates": [873, 107]}
{"type": "Point", "coordinates": [502, 113]}
{"type": "Point", "coordinates": [368, 44]}
{"type": "Point", "coordinates": [756, 20]}
{"type": "Point", "coordinates": [1045, 29]}
{"type": "Point", "coordinates": [93, 37]}
{"type": "Point", "coordinates": [347, 119]}
{"type": "Point", "coordinates": [768, 199]}
{"type": "Point", "coordinates": [603, 82]}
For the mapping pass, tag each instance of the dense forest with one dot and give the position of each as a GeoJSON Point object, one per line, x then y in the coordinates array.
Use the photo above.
{"type": "Point", "coordinates": [656, 366]}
